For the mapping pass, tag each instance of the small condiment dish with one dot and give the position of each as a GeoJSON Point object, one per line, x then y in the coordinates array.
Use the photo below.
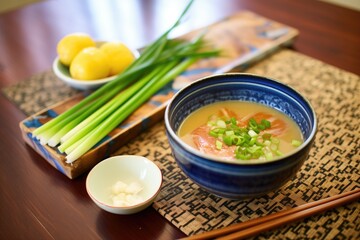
{"type": "Point", "coordinates": [128, 170]}
{"type": "Point", "coordinates": [63, 73]}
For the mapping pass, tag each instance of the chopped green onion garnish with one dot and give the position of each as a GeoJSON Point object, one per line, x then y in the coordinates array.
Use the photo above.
{"type": "Point", "coordinates": [252, 133]}
{"type": "Point", "coordinates": [233, 121]}
{"type": "Point", "coordinates": [296, 143]}
{"type": "Point", "coordinates": [269, 155]}
{"type": "Point", "coordinates": [229, 133]}
{"type": "Point", "coordinates": [228, 140]}
{"type": "Point", "coordinates": [251, 142]}
{"type": "Point", "coordinates": [266, 123]}
{"type": "Point", "coordinates": [221, 123]}
{"type": "Point", "coordinates": [213, 133]}
{"type": "Point", "coordinates": [266, 136]}
{"type": "Point", "coordinates": [218, 144]}
{"type": "Point", "coordinates": [275, 140]}
{"type": "Point", "coordinates": [273, 147]}
{"type": "Point", "coordinates": [278, 153]}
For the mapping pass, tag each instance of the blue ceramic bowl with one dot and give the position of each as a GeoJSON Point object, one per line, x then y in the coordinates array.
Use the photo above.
{"type": "Point", "coordinates": [241, 178]}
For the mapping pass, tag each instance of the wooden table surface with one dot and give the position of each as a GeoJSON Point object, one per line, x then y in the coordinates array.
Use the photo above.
{"type": "Point", "coordinates": [37, 201]}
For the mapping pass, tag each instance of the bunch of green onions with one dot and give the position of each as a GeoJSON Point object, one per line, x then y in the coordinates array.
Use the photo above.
{"type": "Point", "coordinates": [81, 127]}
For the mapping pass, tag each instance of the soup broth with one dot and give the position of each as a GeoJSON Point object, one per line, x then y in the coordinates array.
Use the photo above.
{"type": "Point", "coordinates": [240, 130]}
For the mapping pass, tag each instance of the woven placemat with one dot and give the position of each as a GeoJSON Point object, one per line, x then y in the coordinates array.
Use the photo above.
{"type": "Point", "coordinates": [38, 92]}
{"type": "Point", "coordinates": [332, 167]}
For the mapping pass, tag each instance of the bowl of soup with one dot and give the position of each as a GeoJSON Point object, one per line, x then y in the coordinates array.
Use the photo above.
{"type": "Point", "coordinates": [240, 135]}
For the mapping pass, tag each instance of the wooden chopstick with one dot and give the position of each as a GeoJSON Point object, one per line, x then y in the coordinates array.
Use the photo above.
{"type": "Point", "coordinates": [258, 225]}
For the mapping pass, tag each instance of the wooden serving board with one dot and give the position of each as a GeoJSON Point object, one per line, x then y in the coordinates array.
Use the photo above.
{"type": "Point", "coordinates": [244, 38]}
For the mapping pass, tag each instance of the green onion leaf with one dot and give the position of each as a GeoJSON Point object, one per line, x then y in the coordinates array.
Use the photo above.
{"type": "Point", "coordinates": [85, 124]}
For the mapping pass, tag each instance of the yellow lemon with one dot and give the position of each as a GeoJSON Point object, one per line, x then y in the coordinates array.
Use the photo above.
{"type": "Point", "coordinates": [70, 45]}
{"type": "Point", "coordinates": [118, 55]}
{"type": "Point", "coordinates": [90, 64]}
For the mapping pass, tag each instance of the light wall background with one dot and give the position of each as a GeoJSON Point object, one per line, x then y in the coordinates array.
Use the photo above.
{"type": "Point", "coordinates": [8, 5]}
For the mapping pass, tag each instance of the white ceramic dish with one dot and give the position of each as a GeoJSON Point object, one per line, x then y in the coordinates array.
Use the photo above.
{"type": "Point", "coordinates": [62, 72]}
{"type": "Point", "coordinates": [127, 169]}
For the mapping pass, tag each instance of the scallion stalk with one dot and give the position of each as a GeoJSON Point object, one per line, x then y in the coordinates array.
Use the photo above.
{"type": "Point", "coordinates": [146, 60]}
{"type": "Point", "coordinates": [126, 109]}
{"type": "Point", "coordinates": [92, 121]}
{"type": "Point", "coordinates": [86, 123]}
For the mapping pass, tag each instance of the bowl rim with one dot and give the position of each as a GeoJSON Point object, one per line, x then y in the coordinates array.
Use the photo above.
{"type": "Point", "coordinates": [238, 161]}
{"type": "Point", "coordinates": [142, 203]}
